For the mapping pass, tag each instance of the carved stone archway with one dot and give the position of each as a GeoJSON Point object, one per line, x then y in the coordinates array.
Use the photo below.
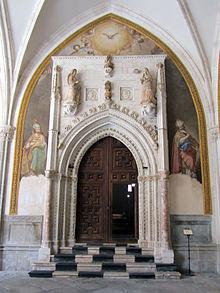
{"type": "Point", "coordinates": [110, 122]}
{"type": "Point", "coordinates": [147, 143]}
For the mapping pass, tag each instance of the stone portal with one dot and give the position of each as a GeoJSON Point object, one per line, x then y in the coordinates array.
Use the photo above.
{"type": "Point", "coordinates": [128, 105]}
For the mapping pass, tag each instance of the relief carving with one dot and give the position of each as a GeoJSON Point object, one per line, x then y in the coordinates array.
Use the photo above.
{"type": "Point", "coordinates": [126, 94]}
{"type": "Point", "coordinates": [108, 91]}
{"type": "Point", "coordinates": [148, 101]}
{"type": "Point", "coordinates": [72, 99]}
{"type": "Point", "coordinates": [92, 94]}
{"type": "Point", "coordinates": [109, 66]}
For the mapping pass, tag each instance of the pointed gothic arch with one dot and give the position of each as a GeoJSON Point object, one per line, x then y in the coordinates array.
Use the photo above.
{"type": "Point", "coordinates": [75, 145]}
{"type": "Point", "coordinates": [186, 75]}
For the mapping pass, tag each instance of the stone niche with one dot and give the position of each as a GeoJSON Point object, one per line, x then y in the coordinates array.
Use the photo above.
{"type": "Point", "coordinates": [97, 96]}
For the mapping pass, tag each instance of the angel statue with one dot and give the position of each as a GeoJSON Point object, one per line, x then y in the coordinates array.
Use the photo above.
{"type": "Point", "coordinates": [148, 101]}
{"type": "Point", "coordinates": [72, 99]}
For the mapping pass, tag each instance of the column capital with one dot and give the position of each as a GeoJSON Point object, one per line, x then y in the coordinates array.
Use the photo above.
{"type": "Point", "coordinates": [6, 132]}
{"type": "Point", "coordinates": [163, 174]}
{"type": "Point", "coordinates": [148, 177]}
{"type": "Point", "coordinates": [50, 173]}
{"type": "Point", "coordinates": [214, 133]}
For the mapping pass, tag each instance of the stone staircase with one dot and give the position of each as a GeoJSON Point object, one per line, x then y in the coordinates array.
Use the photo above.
{"type": "Point", "coordinates": [104, 261]}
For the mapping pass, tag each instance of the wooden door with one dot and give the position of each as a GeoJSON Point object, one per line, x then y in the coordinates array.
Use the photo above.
{"type": "Point", "coordinates": [107, 162]}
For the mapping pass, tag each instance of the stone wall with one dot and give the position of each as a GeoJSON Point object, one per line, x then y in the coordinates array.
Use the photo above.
{"type": "Point", "coordinates": [22, 238]}
{"type": "Point", "coordinates": [21, 241]}
{"type": "Point", "coordinates": [203, 251]}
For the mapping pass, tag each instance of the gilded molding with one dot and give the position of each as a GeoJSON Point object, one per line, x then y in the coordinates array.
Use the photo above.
{"type": "Point", "coordinates": [177, 62]}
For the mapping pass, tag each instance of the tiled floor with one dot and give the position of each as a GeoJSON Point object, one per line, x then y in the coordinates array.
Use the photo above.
{"type": "Point", "coordinates": [21, 283]}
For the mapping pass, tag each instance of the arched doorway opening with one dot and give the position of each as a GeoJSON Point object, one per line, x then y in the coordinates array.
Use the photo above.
{"type": "Point", "coordinates": [107, 195]}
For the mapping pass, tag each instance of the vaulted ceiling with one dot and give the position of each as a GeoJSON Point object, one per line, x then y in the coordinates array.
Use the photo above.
{"type": "Point", "coordinates": [30, 29]}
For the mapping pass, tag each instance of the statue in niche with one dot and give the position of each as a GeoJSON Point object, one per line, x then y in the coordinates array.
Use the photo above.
{"type": "Point", "coordinates": [108, 91]}
{"type": "Point", "coordinates": [148, 101]}
{"type": "Point", "coordinates": [185, 152]}
{"type": "Point", "coordinates": [73, 96]}
{"type": "Point", "coordinates": [34, 152]}
{"type": "Point", "coordinates": [109, 66]}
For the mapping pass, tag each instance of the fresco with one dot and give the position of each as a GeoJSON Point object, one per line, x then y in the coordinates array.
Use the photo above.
{"type": "Point", "coordinates": [113, 38]}
{"type": "Point", "coordinates": [183, 136]}
{"type": "Point", "coordinates": [34, 152]}
{"type": "Point", "coordinates": [106, 38]}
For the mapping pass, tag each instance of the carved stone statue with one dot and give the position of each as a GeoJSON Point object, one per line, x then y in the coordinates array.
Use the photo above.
{"type": "Point", "coordinates": [108, 91]}
{"type": "Point", "coordinates": [72, 99]}
{"type": "Point", "coordinates": [148, 101]}
{"type": "Point", "coordinates": [109, 66]}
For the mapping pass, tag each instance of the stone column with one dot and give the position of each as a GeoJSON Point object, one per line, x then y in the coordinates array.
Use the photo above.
{"type": "Point", "coordinates": [163, 252]}
{"type": "Point", "coordinates": [165, 221]}
{"type": "Point", "coordinates": [214, 159]}
{"type": "Point", "coordinates": [6, 135]}
{"type": "Point", "coordinates": [51, 165]}
{"type": "Point", "coordinates": [141, 210]}
{"type": "Point", "coordinates": [67, 181]}
{"type": "Point", "coordinates": [73, 202]}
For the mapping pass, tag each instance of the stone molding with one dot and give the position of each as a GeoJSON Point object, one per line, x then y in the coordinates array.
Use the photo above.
{"type": "Point", "coordinates": [114, 110]}
{"type": "Point", "coordinates": [10, 218]}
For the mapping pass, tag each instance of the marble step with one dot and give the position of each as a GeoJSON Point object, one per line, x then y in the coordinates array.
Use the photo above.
{"type": "Point", "coordinates": [140, 268]}
{"type": "Point", "coordinates": [107, 249]}
{"type": "Point", "coordinates": [144, 258]}
{"type": "Point", "coordinates": [106, 274]}
{"type": "Point", "coordinates": [90, 274]}
{"type": "Point", "coordinates": [89, 258]}
{"type": "Point", "coordinates": [63, 257]}
{"type": "Point", "coordinates": [65, 274]}
{"type": "Point", "coordinates": [116, 275]}
{"type": "Point", "coordinates": [104, 249]}
{"type": "Point", "coordinates": [66, 266]}
{"type": "Point", "coordinates": [89, 267]}
{"type": "Point", "coordinates": [144, 275]}
{"type": "Point", "coordinates": [80, 249]}
{"type": "Point", "coordinates": [106, 260]}
{"type": "Point", "coordinates": [41, 274]}
{"type": "Point", "coordinates": [107, 270]}
{"type": "Point", "coordinates": [166, 267]}
{"type": "Point", "coordinates": [118, 267]}
{"type": "Point", "coordinates": [106, 266]}
{"type": "Point", "coordinates": [103, 257]}
{"type": "Point", "coordinates": [133, 250]}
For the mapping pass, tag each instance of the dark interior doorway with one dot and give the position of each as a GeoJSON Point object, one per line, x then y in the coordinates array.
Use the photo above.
{"type": "Point", "coordinates": [107, 200]}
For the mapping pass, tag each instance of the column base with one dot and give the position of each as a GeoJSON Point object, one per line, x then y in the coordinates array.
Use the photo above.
{"type": "Point", "coordinates": [44, 254]}
{"type": "Point", "coordinates": [163, 255]}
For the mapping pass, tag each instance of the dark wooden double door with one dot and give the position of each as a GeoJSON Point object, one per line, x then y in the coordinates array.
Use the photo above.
{"type": "Point", "coordinates": [107, 207]}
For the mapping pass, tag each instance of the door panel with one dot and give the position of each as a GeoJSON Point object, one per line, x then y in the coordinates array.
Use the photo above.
{"type": "Point", "coordinates": [107, 165]}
